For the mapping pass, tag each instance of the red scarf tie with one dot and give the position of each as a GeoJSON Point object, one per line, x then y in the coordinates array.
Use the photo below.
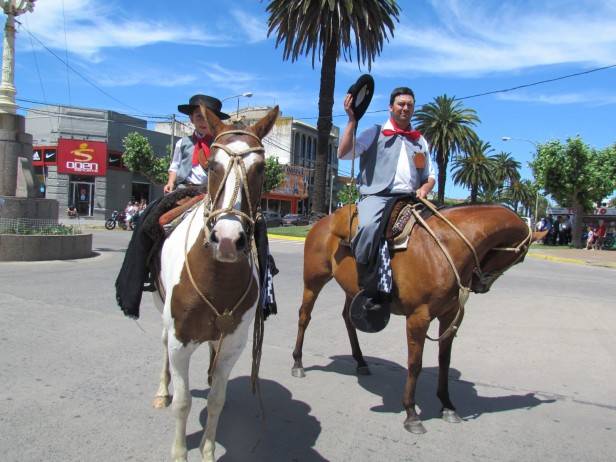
{"type": "Point", "coordinates": [411, 135]}
{"type": "Point", "coordinates": [201, 144]}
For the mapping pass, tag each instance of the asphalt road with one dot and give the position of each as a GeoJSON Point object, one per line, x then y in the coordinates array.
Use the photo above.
{"type": "Point", "coordinates": [533, 373]}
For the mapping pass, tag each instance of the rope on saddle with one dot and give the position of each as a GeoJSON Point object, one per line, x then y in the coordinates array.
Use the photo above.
{"type": "Point", "coordinates": [463, 292]}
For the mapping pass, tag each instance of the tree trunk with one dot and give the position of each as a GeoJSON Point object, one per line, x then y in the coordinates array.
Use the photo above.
{"type": "Point", "coordinates": [474, 192]}
{"type": "Point", "coordinates": [324, 124]}
{"type": "Point", "coordinates": [442, 177]}
{"type": "Point", "coordinates": [578, 224]}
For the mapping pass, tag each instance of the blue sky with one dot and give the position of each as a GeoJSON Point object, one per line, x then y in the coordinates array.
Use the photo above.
{"type": "Point", "coordinates": [149, 56]}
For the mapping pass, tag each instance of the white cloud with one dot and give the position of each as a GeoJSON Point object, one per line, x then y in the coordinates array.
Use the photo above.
{"type": "Point", "coordinates": [254, 27]}
{"type": "Point", "coordinates": [92, 26]}
{"type": "Point", "coordinates": [476, 37]}
{"type": "Point", "coordinates": [592, 99]}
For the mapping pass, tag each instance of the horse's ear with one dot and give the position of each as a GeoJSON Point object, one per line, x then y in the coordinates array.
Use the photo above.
{"type": "Point", "coordinates": [263, 126]}
{"type": "Point", "coordinates": [539, 235]}
{"type": "Point", "coordinates": [214, 124]}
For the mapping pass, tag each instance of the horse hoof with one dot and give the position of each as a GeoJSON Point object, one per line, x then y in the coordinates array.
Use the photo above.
{"type": "Point", "coordinates": [414, 426]}
{"type": "Point", "coordinates": [449, 415]}
{"type": "Point", "coordinates": [363, 370]}
{"type": "Point", "coordinates": [161, 402]}
{"type": "Point", "coordinates": [298, 372]}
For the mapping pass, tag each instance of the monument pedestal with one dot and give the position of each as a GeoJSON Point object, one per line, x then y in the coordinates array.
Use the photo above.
{"type": "Point", "coordinates": [16, 179]}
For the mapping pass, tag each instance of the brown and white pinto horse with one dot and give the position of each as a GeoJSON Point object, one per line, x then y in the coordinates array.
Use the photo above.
{"type": "Point", "coordinates": [425, 284]}
{"type": "Point", "coordinates": [208, 278]}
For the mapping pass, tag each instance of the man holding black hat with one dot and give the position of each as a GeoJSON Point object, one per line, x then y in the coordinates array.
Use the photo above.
{"type": "Point", "coordinates": [185, 168]}
{"type": "Point", "coordinates": [394, 160]}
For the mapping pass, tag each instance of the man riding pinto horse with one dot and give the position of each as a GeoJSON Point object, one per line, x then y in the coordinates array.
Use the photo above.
{"type": "Point", "coordinates": [394, 161]}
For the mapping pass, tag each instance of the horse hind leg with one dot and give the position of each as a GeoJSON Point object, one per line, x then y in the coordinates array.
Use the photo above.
{"type": "Point", "coordinates": [362, 367]}
{"type": "Point", "coordinates": [229, 352]}
{"type": "Point", "coordinates": [448, 412]}
{"type": "Point", "coordinates": [312, 289]}
{"type": "Point", "coordinates": [162, 398]}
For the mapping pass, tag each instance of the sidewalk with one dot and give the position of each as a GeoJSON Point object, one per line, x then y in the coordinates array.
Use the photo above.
{"type": "Point", "coordinates": [603, 258]}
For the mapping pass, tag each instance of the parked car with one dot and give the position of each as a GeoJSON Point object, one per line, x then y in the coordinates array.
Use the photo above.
{"type": "Point", "coordinates": [316, 216]}
{"type": "Point", "coordinates": [272, 219]}
{"type": "Point", "coordinates": [294, 219]}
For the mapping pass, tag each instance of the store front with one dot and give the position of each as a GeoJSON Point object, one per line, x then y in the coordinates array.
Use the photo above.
{"type": "Point", "coordinates": [289, 196]}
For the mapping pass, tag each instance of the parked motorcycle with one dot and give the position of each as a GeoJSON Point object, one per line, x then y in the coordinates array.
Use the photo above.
{"type": "Point", "coordinates": [119, 218]}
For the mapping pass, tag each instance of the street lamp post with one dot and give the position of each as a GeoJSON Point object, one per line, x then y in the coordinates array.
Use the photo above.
{"type": "Point", "coordinates": [331, 191]}
{"type": "Point", "coordinates": [246, 94]}
{"type": "Point", "coordinates": [11, 8]}
{"type": "Point", "coordinates": [536, 145]}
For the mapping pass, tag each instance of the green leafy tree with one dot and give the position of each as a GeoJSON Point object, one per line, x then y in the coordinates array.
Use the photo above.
{"type": "Point", "coordinates": [348, 194]}
{"type": "Point", "coordinates": [328, 29]}
{"type": "Point", "coordinates": [274, 174]}
{"type": "Point", "coordinates": [575, 175]}
{"type": "Point", "coordinates": [273, 177]}
{"type": "Point", "coordinates": [475, 169]}
{"type": "Point", "coordinates": [447, 126]}
{"type": "Point", "coordinates": [139, 157]}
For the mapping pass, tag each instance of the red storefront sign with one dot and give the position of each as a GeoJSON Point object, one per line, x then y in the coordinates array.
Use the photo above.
{"type": "Point", "coordinates": [82, 157]}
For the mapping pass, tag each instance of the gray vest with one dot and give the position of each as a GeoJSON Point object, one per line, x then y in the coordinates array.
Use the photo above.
{"type": "Point", "coordinates": [186, 149]}
{"type": "Point", "coordinates": [385, 152]}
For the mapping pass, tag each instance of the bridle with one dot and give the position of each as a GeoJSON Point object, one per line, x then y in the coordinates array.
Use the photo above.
{"type": "Point", "coordinates": [485, 277]}
{"type": "Point", "coordinates": [211, 214]}
{"type": "Point", "coordinates": [225, 321]}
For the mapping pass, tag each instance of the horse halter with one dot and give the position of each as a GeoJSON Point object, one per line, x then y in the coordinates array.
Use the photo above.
{"type": "Point", "coordinates": [236, 164]}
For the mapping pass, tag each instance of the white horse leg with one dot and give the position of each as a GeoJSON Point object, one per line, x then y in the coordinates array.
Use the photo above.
{"type": "Point", "coordinates": [179, 360]}
{"type": "Point", "coordinates": [161, 399]}
{"type": "Point", "coordinates": [232, 347]}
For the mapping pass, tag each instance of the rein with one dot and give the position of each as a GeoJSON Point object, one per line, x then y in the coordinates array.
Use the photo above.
{"type": "Point", "coordinates": [464, 292]}
{"type": "Point", "coordinates": [225, 321]}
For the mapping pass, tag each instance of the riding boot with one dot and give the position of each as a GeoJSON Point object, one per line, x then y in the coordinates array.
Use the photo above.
{"type": "Point", "coordinates": [367, 280]}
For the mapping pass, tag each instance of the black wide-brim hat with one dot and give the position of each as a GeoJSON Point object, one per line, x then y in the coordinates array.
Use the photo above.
{"type": "Point", "coordinates": [367, 317]}
{"type": "Point", "coordinates": [213, 104]}
{"type": "Point", "coordinates": [362, 91]}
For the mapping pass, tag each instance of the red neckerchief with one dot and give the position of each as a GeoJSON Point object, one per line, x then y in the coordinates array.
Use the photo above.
{"type": "Point", "coordinates": [200, 144]}
{"type": "Point", "coordinates": [412, 135]}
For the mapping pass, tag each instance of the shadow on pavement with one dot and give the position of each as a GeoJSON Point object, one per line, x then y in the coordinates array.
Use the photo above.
{"type": "Point", "coordinates": [288, 432]}
{"type": "Point", "coordinates": [388, 379]}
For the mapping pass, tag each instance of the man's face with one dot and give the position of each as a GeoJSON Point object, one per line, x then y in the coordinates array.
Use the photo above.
{"type": "Point", "coordinates": [402, 110]}
{"type": "Point", "coordinates": [199, 122]}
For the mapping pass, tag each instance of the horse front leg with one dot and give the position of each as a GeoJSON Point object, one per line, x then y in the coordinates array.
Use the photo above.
{"type": "Point", "coordinates": [448, 412]}
{"type": "Point", "coordinates": [362, 367]}
{"type": "Point", "coordinates": [179, 361]}
{"type": "Point", "coordinates": [228, 352]}
{"type": "Point", "coordinates": [162, 398]}
{"type": "Point", "coordinates": [416, 329]}
{"type": "Point", "coordinates": [311, 292]}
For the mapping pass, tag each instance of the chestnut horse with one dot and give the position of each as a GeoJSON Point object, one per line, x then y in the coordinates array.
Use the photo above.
{"type": "Point", "coordinates": [208, 279]}
{"type": "Point", "coordinates": [431, 280]}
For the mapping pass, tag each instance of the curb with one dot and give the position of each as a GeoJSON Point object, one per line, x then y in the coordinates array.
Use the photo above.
{"type": "Point", "coordinates": [285, 238]}
{"type": "Point", "coordinates": [576, 261]}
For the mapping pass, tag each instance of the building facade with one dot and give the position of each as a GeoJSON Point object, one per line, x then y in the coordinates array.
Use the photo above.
{"type": "Point", "coordinates": [294, 143]}
{"type": "Point", "coordinates": [77, 158]}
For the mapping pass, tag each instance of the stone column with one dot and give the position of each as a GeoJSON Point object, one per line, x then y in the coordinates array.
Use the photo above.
{"type": "Point", "coordinates": [7, 88]}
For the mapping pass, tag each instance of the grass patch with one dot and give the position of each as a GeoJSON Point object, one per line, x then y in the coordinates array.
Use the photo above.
{"type": "Point", "coordinates": [294, 231]}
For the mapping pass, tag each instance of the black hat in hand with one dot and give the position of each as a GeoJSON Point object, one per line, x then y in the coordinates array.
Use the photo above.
{"type": "Point", "coordinates": [362, 91]}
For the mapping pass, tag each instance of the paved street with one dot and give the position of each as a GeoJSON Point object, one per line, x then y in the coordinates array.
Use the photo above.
{"type": "Point", "coordinates": [533, 373]}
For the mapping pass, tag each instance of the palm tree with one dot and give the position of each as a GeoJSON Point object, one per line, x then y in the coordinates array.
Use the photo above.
{"type": "Point", "coordinates": [447, 127]}
{"type": "Point", "coordinates": [330, 27]}
{"type": "Point", "coordinates": [506, 171]}
{"type": "Point", "coordinates": [475, 169]}
{"type": "Point", "coordinates": [520, 192]}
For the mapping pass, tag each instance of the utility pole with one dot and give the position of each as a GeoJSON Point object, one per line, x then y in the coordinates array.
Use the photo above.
{"type": "Point", "coordinates": [172, 134]}
{"type": "Point", "coordinates": [331, 191]}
